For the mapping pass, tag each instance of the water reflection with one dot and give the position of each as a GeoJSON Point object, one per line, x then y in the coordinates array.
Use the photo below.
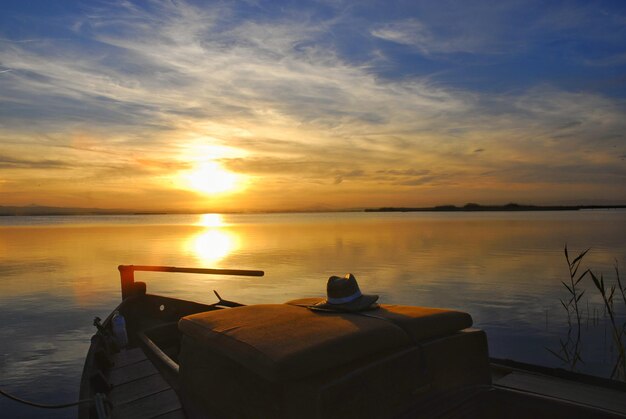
{"type": "Point", "coordinates": [212, 245]}
{"type": "Point", "coordinates": [505, 269]}
{"type": "Point", "coordinates": [211, 220]}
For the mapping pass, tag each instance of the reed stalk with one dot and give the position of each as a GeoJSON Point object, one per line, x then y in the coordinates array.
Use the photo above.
{"type": "Point", "coordinates": [575, 297]}
{"type": "Point", "coordinates": [570, 347]}
{"type": "Point", "coordinates": [570, 351]}
{"type": "Point", "coordinates": [618, 332]}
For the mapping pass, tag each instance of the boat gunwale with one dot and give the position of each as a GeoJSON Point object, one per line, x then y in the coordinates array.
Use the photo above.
{"type": "Point", "coordinates": [509, 366]}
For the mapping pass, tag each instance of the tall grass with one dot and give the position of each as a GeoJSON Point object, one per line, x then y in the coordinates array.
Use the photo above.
{"type": "Point", "coordinates": [617, 331]}
{"type": "Point", "coordinates": [569, 351]}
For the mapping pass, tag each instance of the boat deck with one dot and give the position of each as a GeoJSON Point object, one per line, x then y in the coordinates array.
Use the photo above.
{"type": "Point", "coordinates": [138, 390]}
{"type": "Point", "coordinates": [612, 400]}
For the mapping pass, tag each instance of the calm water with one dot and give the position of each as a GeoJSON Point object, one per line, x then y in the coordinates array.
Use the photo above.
{"type": "Point", "coordinates": [57, 273]}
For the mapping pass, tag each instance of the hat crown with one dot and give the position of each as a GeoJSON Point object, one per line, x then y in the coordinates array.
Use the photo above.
{"type": "Point", "coordinates": [339, 288]}
{"type": "Point", "coordinates": [344, 295]}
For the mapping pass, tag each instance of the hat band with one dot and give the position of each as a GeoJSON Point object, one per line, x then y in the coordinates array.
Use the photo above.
{"type": "Point", "coordinates": [344, 300]}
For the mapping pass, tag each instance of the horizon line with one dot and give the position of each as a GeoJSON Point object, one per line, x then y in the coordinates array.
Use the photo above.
{"type": "Point", "coordinates": [45, 210]}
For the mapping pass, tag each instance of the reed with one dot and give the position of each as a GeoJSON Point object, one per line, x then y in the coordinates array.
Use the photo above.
{"type": "Point", "coordinates": [618, 332]}
{"type": "Point", "coordinates": [569, 351]}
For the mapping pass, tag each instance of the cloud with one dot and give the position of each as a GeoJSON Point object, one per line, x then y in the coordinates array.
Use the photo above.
{"type": "Point", "coordinates": [415, 177]}
{"type": "Point", "coordinates": [404, 172]}
{"type": "Point", "coordinates": [408, 32]}
{"type": "Point", "coordinates": [560, 173]}
{"type": "Point", "coordinates": [202, 65]}
{"type": "Point", "coordinates": [578, 32]}
{"type": "Point", "coordinates": [444, 28]}
{"type": "Point", "coordinates": [341, 175]}
{"type": "Point", "coordinates": [416, 34]}
{"type": "Point", "coordinates": [8, 162]}
{"type": "Point", "coordinates": [148, 81]}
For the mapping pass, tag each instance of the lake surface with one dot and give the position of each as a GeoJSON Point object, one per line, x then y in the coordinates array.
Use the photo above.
{"type": "Point", "coordinates": [505, 268]}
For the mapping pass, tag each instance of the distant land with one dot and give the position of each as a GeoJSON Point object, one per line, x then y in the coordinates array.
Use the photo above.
{"type": "Point", "coordinates": [507, 207]}
{"type": "Point", "coordinates": [34, 209]}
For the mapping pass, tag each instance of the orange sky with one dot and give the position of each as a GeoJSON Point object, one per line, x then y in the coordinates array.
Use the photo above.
{"type": "Point", "coordinates": [207, 108]}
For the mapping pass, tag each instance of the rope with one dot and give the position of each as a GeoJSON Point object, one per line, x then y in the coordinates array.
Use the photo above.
{"type": "Point", "coordinates": [44, 406]}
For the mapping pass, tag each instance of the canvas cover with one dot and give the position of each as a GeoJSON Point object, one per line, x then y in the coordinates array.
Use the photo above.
{"type": "Point", "coordinates": [284, 360]}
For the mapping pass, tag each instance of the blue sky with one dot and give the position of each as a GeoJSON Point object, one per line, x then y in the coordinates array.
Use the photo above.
{"type": "Point", "coordinates": [312, 105]}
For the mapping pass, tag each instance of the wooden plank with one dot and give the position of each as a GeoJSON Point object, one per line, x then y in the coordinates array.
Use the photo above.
{"type": "Point", "coordinates": [138, 389]}
{"type": "Point", "coordinates": [127, 357]}
{"type": "Point", "coordinates": [567, 390]}
{"type": "Point", "coordinates": [149, 407]}
{"type": "Point", "coordinates": [131, 373]}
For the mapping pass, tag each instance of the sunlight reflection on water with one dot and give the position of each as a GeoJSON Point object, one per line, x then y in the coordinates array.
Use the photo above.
{"type": "Point", "coordinates": [212, 245]}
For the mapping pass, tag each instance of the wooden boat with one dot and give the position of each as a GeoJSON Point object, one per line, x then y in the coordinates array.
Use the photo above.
{"type": "Point", "coordinates": [226, 360]}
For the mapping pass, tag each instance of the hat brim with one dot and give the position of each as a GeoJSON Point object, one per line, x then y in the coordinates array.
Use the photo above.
{"type": "Point", "coordinates": [364, 302]}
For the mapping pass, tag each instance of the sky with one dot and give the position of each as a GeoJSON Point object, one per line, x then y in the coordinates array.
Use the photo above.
{"type": "Point", "coordinates": [311, 105]}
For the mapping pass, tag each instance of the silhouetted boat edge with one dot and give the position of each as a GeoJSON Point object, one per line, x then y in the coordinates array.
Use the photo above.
{"type": "Point", "coordinates": [189, 360]}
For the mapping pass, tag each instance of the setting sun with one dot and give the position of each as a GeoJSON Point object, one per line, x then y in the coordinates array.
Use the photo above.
{"type": "Point", "coordinates": [211, 178]}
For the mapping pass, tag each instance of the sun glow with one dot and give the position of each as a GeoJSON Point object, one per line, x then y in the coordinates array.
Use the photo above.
{"type": "Point", "coordinates": [215, 242]}
{"type": "Point", "coordinates": [212, 245]}
{"type": "Point", "coordinates": [211, 220]}
{"type": "Point", "coordinates": [211, 178]}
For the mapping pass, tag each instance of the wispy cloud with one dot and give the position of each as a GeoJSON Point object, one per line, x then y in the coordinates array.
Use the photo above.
{"type": "Point", "coordinates": [416, 34]}
{"type": "Point", "coordinates": [18, 163]}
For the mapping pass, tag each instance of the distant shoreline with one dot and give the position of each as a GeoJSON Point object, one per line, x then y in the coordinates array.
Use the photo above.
{"type": "Point", "coordinates": [35, 210]}
{"type": "Point", "coordinates": [484, 208]}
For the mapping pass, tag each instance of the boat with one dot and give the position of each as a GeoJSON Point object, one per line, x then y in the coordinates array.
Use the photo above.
{"type": "Point", "coordinates": [174, 358]}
